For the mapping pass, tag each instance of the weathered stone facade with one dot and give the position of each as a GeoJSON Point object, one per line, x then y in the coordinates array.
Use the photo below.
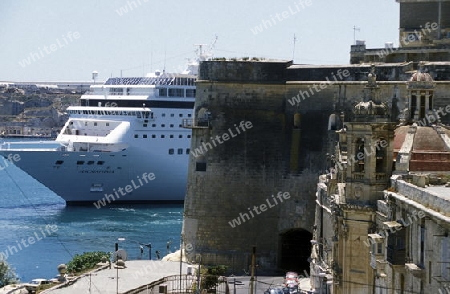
{"type": "Point", "coordinates": [284, 151]}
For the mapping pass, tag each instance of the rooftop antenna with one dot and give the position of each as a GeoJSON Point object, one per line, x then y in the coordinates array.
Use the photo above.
{"type": "Point", "coordinates": [293, 50]}
{"type": "Point", "coordinates": [165, 54]}
{"type": "Point", "coordinates": [355, 28]}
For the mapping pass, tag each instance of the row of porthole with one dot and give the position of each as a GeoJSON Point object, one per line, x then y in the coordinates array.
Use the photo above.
{"type": "Point", "coordinates": [136, 136]}
{"type": "Point", "coordinates": [179, 151]}
{"type": "Point", "coordinates": [81, 162]}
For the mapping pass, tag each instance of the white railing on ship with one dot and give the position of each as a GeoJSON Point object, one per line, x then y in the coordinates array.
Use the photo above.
{"type": "Point", "coordinates": [33, 146]}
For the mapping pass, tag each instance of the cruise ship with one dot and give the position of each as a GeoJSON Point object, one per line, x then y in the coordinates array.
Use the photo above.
{"type": "Point", "coordinates": [124, 143]}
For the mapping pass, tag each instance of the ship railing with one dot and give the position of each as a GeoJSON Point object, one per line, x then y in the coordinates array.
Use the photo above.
{"type": "Point", "coordinates": [190, 123]}
{"type": "Point", "coordinates": [32, 146]}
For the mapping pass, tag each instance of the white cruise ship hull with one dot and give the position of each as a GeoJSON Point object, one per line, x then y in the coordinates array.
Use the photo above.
{"type": "Point", "coordinates": [86, 184]}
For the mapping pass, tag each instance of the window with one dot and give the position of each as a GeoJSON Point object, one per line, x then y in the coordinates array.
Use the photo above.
{"type": "Point", "coordinates": [171, 125]}
{"type": "Point", "coordinates": [359, 155]}
{"type": "Point", "coordinates": [380, 248]}
{"type": "Point", "coordinates": [180, 125]}
{"type": "Point", "coordinates": [180, 151]}
{"type": "Point", "coordinates": [85, 123]}
{"type": "Point", "coordinates": [153, 136]}
{"type": "Point", "coordinates": [172, 115]}
{"type": "Point", "coordinates": [136, 136]}
{"type": "Point", "coordinates": [188, 150]}
{"type": "Point", "coordinates": [163, 115]}
{"type": "Point", "coordinates": [95, 124]}
{"type": "Point", "coordinates": [176, 92]}
{"type": "Point", "coordinates": [181, 115]}
{"type": "Point", "coordinates": [190, 92]}
{"type": "Point", "coordinates": [80, 162]}
{"type": "Point", "coordinates": [162, 136]}
{"type": "Point", "coordinates": [100, 162]}
{"type": "Point", "coordinates": [59, 162]}
{"type": "Point", "coordinates": [90, 162]}
{"type": "Point", "coordinates": [163, 126]}
{"type": "Point", "coordinates": [171, 136]}
{"type": "Point", "coordinates": [189, 115]}
{"type": "Point", "coordinates": [144, 136]}
{"type": "Point", "coordinates": [153, 125]}
{"type": "Point", "coordinates": [171, 151]}
{"type": "Point", "coordinates": [200, 166]}
{"type": "Point", "coordinates": [188, 136]}
{"type": "Point", "coordinates": [144, 125]}
{"type": "Point", "coordinates": [107, 124]}
{"type": "Point", "coordinates": [180, 136]}
{"type": "Point", "coordinates": [163, 92]}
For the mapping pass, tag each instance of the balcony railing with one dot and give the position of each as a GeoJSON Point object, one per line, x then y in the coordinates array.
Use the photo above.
{"type": "Point", "coordinates": [174, 285]}
{"type": "Point", "coordinates": [190, 123]}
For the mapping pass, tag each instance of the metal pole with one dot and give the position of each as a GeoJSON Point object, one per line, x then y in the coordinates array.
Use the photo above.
{"type": "Point", "coordinates": [181, 258]}
{"type": "Point", "coordinates": [252, 278]}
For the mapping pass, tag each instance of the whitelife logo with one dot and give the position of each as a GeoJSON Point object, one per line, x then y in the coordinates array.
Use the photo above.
{"type": "Point", "coordinates": [33, 56]}
{"type": "Point", "coordinates": [36, 237]}
{"type": "Point", "coordinates": [243, 126]}
{"type": "Point", "coordinates": [262, 207]}
{"type": "Point", "coordinates": [146, 177]}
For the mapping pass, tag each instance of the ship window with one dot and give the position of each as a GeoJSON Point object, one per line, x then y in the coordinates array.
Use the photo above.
{"type": "Point", "coordinates": [171, 125]}
{"type": "Point", "coordinates": [181, 115]}
{"type": "Point", "coordinates": [90, 162]}
{"type": "Point", "coordinates": [85, 123]}
{"type": "Point", "coordinates": [136, 136]}
{"type": "Point", "coordinates": [153, 136]}
{"type": "Point", "coordinates": [162, 136]}
{"type": "Point", "coordinates": [163, 92]}
{"type": "Point", "coordinates": [153, 125]}
{"type": "Point", "coordinates": [145, 125]}
{"type": "Point", "coordinates": [189, 115]}
{"type": "Point", "coordinates": [188, 150]}
{"type": "Point", "coordinates": [107, 124]}
{"type": "Point", "coordinates": [171, 136]}
{"type": "Point", "coordinates": [180, 125]}
{"type": "Point", "coordinates": [176, 92]}
{"type": "Point", "coordinates": [163, 115]}
{"type": "Point", "coordinates": [100, 162]}
{"type": "Point", "coordinates": [80, 162]}
{"type": "Point", "coordinates": [180, 136]}
{"type": "Point", "coordinates": [171, 151]}
{"type": "Point", "coordinates": [144, 136]}
{"type": "Point", "coordinates": [190, 92]}
{"type": "Point", "coordinates": [163, 125]}
{"type": "Point", "coordinates": [172, 115]}
{"type": "Point", "coordinates": [95, 124]}
{"type": "Point", "coordinates": [59, 162]}
{"type": "Point", "coordinates": [189, 136]}
{"type": "Point", "coordinates": [180, 151]}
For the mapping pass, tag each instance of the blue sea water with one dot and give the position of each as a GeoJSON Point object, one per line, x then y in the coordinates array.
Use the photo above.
{"type": "Point", "coordinates": [38, 232]}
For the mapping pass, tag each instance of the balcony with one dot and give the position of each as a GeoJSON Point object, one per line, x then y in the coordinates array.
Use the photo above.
{"type": "Point", "coordinates": [189, 123]}
{"type": "Point", "coordinates": [396, 256]}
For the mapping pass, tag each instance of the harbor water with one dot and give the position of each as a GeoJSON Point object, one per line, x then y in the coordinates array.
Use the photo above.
{"type": "Point", "coordinates": [38, 232]}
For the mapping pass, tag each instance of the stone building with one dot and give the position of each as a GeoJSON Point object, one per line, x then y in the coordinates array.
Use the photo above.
{"type": "Point", "coordinates": [424, 24]}
{"type": "Point", "coordinates": [378, 236]}
{"type": "Point", "coordinates": [267, 128]}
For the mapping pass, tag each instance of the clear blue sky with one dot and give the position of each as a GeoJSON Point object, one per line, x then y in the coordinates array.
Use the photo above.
{"type": "Point", "coordinates": [67, 40]}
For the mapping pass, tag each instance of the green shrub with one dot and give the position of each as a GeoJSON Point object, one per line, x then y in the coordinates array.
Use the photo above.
{"type": "Point", "coordinates": [210, 276]}
{"type": "Point", "coordinates": [86, 261]}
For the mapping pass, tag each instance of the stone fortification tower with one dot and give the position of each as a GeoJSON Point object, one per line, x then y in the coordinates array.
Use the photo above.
{"type": "Point", "coordinates": [243, 190]}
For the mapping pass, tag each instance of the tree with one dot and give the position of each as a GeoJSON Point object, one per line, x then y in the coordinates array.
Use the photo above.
{"type": "Point", "coordinates": [7, 274]}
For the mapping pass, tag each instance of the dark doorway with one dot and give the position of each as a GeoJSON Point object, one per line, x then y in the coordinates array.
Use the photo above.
{"type": "Point", "coordinates": [295, 250]}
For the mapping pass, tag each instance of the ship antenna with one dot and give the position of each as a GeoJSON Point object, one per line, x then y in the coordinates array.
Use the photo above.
{"type": "Point", "coordinates": [293, 51]}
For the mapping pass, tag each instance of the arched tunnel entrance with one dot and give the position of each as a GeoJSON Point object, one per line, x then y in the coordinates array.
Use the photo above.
{"type": "Point", "coordinates": [295, 250]}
